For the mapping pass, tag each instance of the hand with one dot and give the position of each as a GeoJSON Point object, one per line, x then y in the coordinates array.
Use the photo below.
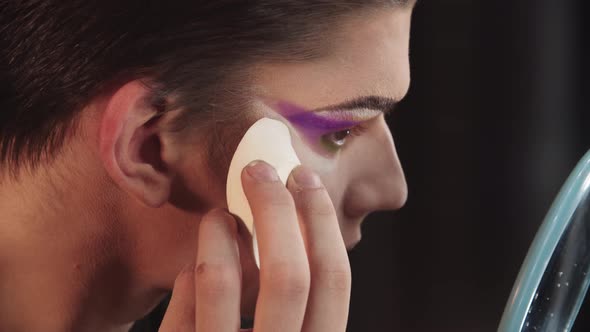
{"type": "Point", "coordinates": [304, 270]}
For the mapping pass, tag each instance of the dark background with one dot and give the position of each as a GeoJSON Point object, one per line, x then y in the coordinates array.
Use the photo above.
{"type": "Point", "coordinates": [497, 116]}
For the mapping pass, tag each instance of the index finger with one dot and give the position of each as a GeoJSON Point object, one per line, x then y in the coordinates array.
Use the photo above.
{"type": "Point", "coordinates": [217, 275]}
{"type": "Point", "coordinates": [180, 315]}
{"type": "Point", "coordinates": [329, 297]}
{"type": "Point", "coordinates": [284, 269]}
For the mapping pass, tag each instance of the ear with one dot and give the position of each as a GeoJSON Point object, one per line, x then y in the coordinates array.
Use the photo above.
{"type": "Point", "coordinates": [130, 142]}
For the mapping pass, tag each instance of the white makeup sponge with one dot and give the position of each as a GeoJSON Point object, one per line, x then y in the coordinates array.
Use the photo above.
{"type": "Point", "coordinates": [268, 140]}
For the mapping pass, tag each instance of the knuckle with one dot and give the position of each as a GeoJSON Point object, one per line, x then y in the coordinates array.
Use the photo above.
{"type": "Point", "coordinates": [278, 197]}
{"type": "Point", "coordinates": [336, 279]}
{"type": "Point", "coordinates": [315, 203]}
{"type": "Point", "coordinates": [216, 280]}
{"type": "Point", "coordinates": [289, 280]}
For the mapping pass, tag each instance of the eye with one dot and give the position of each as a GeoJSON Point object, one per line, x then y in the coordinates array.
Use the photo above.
{"type": "Point", "coordinates": [336, 140]}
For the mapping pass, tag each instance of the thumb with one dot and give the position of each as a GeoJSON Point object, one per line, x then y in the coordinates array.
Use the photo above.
{"type": "Point", "coordinates": [180, 315]}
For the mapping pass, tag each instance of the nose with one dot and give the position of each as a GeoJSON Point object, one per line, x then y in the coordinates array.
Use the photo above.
{"type": "Point", "coordinates": [378, 182]}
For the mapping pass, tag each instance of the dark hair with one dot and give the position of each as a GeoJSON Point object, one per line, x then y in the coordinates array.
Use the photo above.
{"type": "Point", "coordinates": [56, 56]}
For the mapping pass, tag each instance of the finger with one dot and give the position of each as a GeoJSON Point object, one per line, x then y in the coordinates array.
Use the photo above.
{"type": "Point", "coordinates": [217, 275]}
{"type": "Point", "coordinates": [284, 270]}
{"type": "Point", "coordinates": [250, 273]}
{"type": "Point", "coordinates": [180, 315]}
{"type": "Point", "coordinates": [329, 297]}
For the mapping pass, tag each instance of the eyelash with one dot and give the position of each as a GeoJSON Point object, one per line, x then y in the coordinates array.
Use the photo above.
{"type": "Point", "coordinates": [353, 131]}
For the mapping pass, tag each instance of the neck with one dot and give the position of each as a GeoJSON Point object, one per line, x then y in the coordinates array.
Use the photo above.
{"type": "Point", "coordinates": [64, 268]}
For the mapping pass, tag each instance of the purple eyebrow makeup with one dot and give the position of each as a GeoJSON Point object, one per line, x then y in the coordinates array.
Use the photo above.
{"type": "Point", "coordinates": [311, 120]}
{"type": "Point", "coordinates": [316, 127]}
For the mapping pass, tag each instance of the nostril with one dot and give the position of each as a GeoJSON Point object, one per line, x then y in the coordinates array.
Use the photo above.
{"type": "Point", "coordinates": [368, 197]}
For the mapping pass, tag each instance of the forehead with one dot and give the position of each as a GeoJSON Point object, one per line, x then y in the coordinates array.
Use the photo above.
{"type": "Point", "coordinates": [369, 57]}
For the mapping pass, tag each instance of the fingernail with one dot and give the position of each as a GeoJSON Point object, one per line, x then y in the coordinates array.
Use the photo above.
{"type": "Point", "coordinates": [305, 178]}
{"type": "Point", "coordinates": [262, 171]}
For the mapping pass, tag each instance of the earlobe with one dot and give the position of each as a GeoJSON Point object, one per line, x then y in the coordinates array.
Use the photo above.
{"type": "Point", "coordinates": [130, 141]}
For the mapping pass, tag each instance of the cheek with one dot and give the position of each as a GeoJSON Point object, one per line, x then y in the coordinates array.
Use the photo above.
{"type": "Point", "coordinates": [310, 157]}
{"type": "Point", "coordinates": [199, 182]}
{"type": "Point", "coordinates": [204, 165]}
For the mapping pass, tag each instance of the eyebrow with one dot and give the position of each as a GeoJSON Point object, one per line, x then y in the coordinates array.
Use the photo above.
{"type": "Point", "coordinates": [378, 103]}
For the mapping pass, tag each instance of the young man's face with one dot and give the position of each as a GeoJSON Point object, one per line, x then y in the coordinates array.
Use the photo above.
{"type": "Point", "coordinates": [350, 147]}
